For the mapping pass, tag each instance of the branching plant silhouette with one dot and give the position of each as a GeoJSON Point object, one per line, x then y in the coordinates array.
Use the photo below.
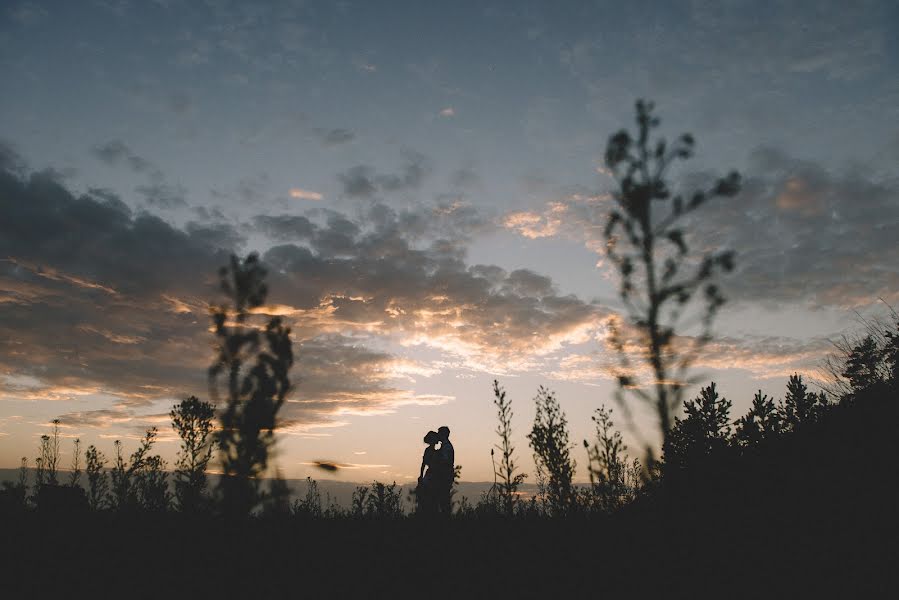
{"type": "Point", "coordinates": [612, 476]}
{"type": "Point", "coordinates": [139, 482]}
{"type": "Point", "coordinates": [192, 419]}
{"type": "Point", "coordinates": [552, 452]}
{"type": "Point", "coordinates": [97, 479]}
{"type": "Point", "coordinates": [48, 461]}
{"type": "Point", "coordinates": [659, 276]}
{"type": "Point", "coordinates": [510, 479]}
{"type": "Point", "coordinates": [75, 474]}
{"type": "Point", "coordinates": [251, 368]}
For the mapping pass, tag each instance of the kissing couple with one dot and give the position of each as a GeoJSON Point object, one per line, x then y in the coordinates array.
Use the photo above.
{"type": "Point", "coordinates": [435, 480]}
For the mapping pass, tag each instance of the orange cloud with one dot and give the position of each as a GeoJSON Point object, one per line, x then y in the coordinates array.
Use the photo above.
{"type": "Point", "coordinates": [302, 194]}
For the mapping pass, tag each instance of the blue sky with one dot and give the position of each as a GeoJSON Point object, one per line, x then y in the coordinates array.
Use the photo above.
{"type": "Point", "coordinates": [481, 123]}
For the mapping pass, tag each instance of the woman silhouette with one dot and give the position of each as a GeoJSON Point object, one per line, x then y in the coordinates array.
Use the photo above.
{"type": "Point", "coordinates": [425, 493]}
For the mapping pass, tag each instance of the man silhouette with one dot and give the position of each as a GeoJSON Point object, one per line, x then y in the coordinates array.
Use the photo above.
{"type": "Point", "coordinates": [446, 471]}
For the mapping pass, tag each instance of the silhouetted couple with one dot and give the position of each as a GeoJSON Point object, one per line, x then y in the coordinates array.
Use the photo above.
{"type": "Point", "coordinates": [435, 480]}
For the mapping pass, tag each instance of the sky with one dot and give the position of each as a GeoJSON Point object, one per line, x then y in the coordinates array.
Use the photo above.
{"type": "Point", "coordinates": [425, 183]}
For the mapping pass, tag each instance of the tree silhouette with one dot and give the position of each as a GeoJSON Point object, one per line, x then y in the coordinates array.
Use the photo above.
{"type": "Point", "coordinates": [549, 441]}
{"type": "Point", "coordinates": [702, 434]}
{"type": "Point", "coordinates": [510, 480]}
{"type": "Point", "coordinates": [862, 361]}
{"type": "Point", "coordinates": [862, 365]}
{"type": "Point", "coordinates": [192, 420]}
{"type": "Point", "coordinates": [800, 406]}
{"type": "Point", "coordinates": [252, 367]}
{"type": "Point", "coordinates": [762, 422]}
{"type": "Point", "coordinates": [659, 275]}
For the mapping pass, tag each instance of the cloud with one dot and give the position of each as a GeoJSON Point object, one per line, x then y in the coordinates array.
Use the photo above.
{"type": "Point", "coordinates": [216, 236]}
{"type": "Point", "coordinates": [358, 181]}
{"type": "Point", "coordinates": [10, 160]}
{"type": "Point", "coordinates": [335, 137]}
{"type": "Point", "coordinates": [284, 228]}
{"type": "Point", "coordinates": [803, 233]}
{"type": "Point", "coordinates": [302, 194]}
{"type": "Point", "coordinates": [362, 181]}
{"type": "Point", "coordinates": [578, 216]}
{"type": "Point", "coordinates": [113, 303]}
{"type": "Point", "coordinates": [447, 112]}
{"type": "Point", "coordinates": [349, 278]}
{"type": "Point", "coordinates": [156, 193]}
{"type": "Point", "coordinates": [534, 225]}
{"type": "Point", "coordinates": [761, 357]}
{"type": "Point", "coordinates": [464, 178]}
{"type": "Point", "coordinates": [116, 152]}
{"type": "Point", "coordinates": [163, 195]}
{"type": "Point", "coordinates": [365, 66]}
{"type": "Point", "coordinates": [807, 234]}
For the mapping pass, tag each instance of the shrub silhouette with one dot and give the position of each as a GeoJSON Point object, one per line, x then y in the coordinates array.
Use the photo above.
{"type": "Point", "coordinates": [659, 276]}
{"type": "Point", "coordinates": [14, 495]}
{"type": "Point", "coordinates": [254, 366]}
{"type": "Point", "coordinates": [97, 481]}
{"type": "Point", "coordinates": [192, 420]}
{"type": "Point", "coordinates": [549, 441]}
{"type": "Point", "coordinates": [377, 501]}
{"type": "Point", "coordinates": [140, 481]}
{"type": "Point", "coordinates": [152, 485]}
{"type": "Point", "coordinates": [310, 506]}
{"type": "Point", "coordinates": [614, 481]}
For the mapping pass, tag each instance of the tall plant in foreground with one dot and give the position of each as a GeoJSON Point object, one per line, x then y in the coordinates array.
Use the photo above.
{"type": "Point", "coordinates": [192, 420]}
{"type": "Point", "coordinates": [552, 456]}
{"type": "Point", "coordinates": [97, 482]}
{"type": "Point", "coordinates": [48, 461]}
{"type": "Point", "coordinates": [135, 481]}
{"type": "Point", "coordinates": [608, 464]}
{"type": "Point", "coordinates": [251, 368]}
{"type": "Point", "coordinates": [509, 479]}
{"type": "Point", "coordinates": [75, 475]}
{"type": "Point", "coordinates": [659, 276]}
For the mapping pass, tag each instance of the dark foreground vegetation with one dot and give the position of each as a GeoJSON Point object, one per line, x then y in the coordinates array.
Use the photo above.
{"type": "Point", "coordinates": [812, 514]}
{"type": "Point", "coordinates": [796, 498]}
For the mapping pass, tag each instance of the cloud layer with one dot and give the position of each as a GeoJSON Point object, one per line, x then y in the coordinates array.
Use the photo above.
{"type": "Point", "coordinates": [803, 234]}
{"type": "Point", "coordinates": [99, 300]}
